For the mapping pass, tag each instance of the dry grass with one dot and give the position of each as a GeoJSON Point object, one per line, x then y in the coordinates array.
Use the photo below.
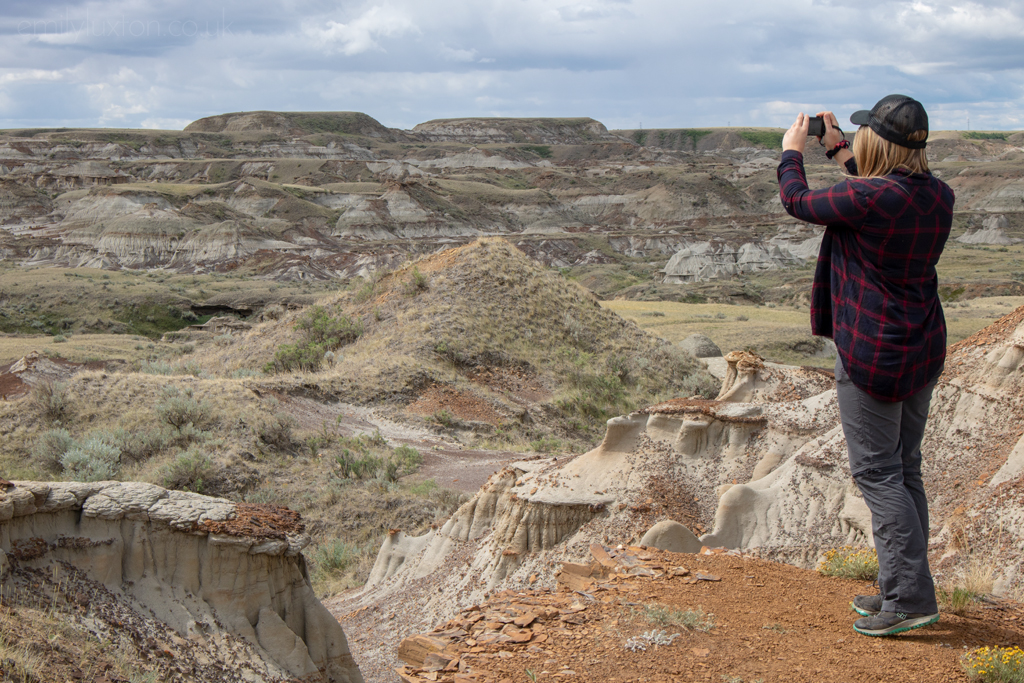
{"type": "Point", "coordinates": [482, 305]}
{"type": "Point", "coordinates": [48, 301]}
{"type": "Point", "coordinates": [780, 332]}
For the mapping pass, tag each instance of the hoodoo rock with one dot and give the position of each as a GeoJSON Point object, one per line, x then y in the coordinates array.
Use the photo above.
{"type": "Point", "coordinates": [229, 576]}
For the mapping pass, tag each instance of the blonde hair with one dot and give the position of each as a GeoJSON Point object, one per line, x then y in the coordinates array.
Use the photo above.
{"type": "Point", "coordinates": [878, 157]}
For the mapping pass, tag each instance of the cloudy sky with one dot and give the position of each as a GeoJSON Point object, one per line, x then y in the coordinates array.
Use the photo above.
{"type": "Point", "coordinates": [656, 63]}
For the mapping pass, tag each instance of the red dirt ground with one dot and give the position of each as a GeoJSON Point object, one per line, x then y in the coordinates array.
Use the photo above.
{"type": "Point", "coordinates": [772, 622]}
{"type": "Point", "coordinates": [460, 404]}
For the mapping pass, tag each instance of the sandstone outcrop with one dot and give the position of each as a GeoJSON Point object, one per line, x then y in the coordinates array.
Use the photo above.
{"type": "Point", "coordinates": [703, 261]}
{"type": "Point", "coordinates": [228, 575]}
{"type": "Point", "coordinates": [992, 231]}
{"type": "Point", "coordinates": [700, 346]}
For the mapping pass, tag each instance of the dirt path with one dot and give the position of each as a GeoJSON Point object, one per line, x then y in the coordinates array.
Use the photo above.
{"type": "Point", "coordinates": [444, 460]}
{"type": "Point", "coordinates": [771, 622]}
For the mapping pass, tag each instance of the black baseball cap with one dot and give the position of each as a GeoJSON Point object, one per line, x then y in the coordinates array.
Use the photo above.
{"type": "Point", "coordinates": [895, 117]}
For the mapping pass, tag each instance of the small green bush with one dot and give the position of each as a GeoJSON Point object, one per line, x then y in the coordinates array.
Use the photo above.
{"type": "Point", "coordinates": [51, 447]}
{"type": "Point", "coordinates": [322, 332]}
{"type": "Point", "coordinates": [355, 466]}
{"type": "Point", "coordinates": [409, 459]}
{"type": "Point", "coordinates": [703, 385]}
{"type": "Point", "coordinates": [546, 444]}
{"type": "Point", "coordinates": [93, 460]}
{"type": "Point", "coordinates": [190, 471]}
{"type": "Point", "coordinates": [180, 408]}
{"type": "Point", "coordinates": [138, 445]}
{"type": "Point", "coordinates": [307, 357]}
{"type": "Point", "coordinates": [419, 281]}
{"type": "Point", "coordinates": [444, 418]}
{"type": "Point", "coordinates": [321, 327]}
{"type": "Point", "coordinates": [59, 339]}
{"type": "Point", "coordinates": [278, 432]}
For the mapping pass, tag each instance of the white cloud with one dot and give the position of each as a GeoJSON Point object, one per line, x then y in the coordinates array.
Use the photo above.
{"type": "Point", "coordinates": [361, 34]}
{"type": "Point", "coordinates": [663, 62]}
{"type": "Point", "coordinates": [30, 75]}
{"type": "Point", "coordinates": [455, 55]}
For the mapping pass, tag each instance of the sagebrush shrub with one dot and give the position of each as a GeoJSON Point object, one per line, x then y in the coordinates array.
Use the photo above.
{"type": "Point", "coordinates": [322, 332]}
{"type": "Point", "coordinates": [95, 459]}
{"type": "Point", "coordinates": [53, 400]}
{"type": "Point", "coordinates": [180, 408]}
{"type": "Point", "coordinates": [51, 447]}
{"type": "Point", "coordinates": [138, 445]}
{"type": "Point", "coordinates": [192, 471]}
{"type": "Point", "coordinates": [277, 432]}
{"type": "Point", "coordinates": [409, 459]}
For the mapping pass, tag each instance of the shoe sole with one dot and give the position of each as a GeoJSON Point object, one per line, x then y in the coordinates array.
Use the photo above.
{"type": "Point", "coordinates": [906, 625]}
{"type": "Point", "coordinates": [862, 612]}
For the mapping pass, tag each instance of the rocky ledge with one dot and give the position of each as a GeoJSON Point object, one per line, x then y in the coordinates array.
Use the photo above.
{"type": "Point", "coordinates": [230, 576]}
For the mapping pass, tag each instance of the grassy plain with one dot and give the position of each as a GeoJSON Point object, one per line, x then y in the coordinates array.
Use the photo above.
{"type": "Point", "coordinates": [782, 333]}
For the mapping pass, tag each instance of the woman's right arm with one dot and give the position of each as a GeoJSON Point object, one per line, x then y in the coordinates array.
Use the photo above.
{"type": "Point", "coordinates": [837, 205]}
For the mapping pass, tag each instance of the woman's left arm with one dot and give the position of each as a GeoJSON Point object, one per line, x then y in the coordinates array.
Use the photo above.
{"type": "Point", "coordinates": [839, 204]}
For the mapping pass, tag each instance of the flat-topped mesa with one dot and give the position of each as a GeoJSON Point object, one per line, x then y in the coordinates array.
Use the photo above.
{"type": "Point", "coordinates": [201, 566]}
{"type": "Point", "coordinates": [545, 131]}
{"type": "Point", "coordinates": [294, 123]}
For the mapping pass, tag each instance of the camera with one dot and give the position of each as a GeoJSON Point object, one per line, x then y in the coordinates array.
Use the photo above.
{"type": "Point", "coordinates": [816, 127]}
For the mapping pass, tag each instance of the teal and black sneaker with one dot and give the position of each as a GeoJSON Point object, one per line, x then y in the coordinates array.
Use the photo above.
{"type": "Point", "coordinates": [890, 623]}
{"type": "Point", "coordinates": [867, 605]}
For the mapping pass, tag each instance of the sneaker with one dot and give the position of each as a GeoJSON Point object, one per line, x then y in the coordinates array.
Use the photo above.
{"type": "Point", "coordinates": [867, 605]}
{"type": "Point", "coordinates": [889, 623]}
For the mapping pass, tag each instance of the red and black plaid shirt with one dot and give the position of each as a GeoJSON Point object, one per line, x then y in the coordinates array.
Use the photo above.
{"type": "Point", "coordinates": [875, 288]}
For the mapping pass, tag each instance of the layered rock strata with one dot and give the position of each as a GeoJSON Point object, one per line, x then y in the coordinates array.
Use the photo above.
{"type": "Point", "coordinates": [205, 567]}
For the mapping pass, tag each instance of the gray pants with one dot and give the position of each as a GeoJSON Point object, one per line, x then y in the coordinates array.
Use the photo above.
{"type": "Point", "coordinates": [884, 443]}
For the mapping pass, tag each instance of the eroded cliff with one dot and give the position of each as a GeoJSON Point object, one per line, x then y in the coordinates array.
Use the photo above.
{"type": "Point", "coordinates": [227, 580]}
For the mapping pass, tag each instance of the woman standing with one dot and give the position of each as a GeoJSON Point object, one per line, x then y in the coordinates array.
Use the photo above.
{"type": "Point", "coordinates": [875, 293]}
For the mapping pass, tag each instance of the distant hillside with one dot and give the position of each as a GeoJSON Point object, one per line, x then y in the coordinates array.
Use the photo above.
{"type": "Point", "coordinates": [467, 321]}
{"type": "Point", "coordinates": [704, 139]}
{"type": "Point", "coordinates": [546, 131]}
{"type": "Point", "coordinates": [294, 123]}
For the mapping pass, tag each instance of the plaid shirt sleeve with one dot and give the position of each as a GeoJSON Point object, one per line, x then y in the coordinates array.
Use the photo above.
{"type": "Point", "coordinates": [875, 287]}
{"type": "Point", "coordinates": [839, 205]}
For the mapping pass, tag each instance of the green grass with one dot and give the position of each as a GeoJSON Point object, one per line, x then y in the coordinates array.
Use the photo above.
{"type": "Point", "coordinates": [54, 301]}
{"type": "Point", "coordinates": [978, 135]}
{"type": "Point", "coordinates": [763, 138]}
{"type": "Point", "coordinates": [693, 135]}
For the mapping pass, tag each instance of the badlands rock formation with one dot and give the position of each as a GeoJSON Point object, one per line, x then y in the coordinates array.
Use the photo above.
{"type": "Point", "coordinates": [321, 190]}
{"type": "Point", "coordinates": [709, 261]}
{"type": "Point", "coordinates": [992, 231]}
{"type": "Point", "coordinates": [762, 468]}
{"type": "Point", "coordinates": [229, 578]}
